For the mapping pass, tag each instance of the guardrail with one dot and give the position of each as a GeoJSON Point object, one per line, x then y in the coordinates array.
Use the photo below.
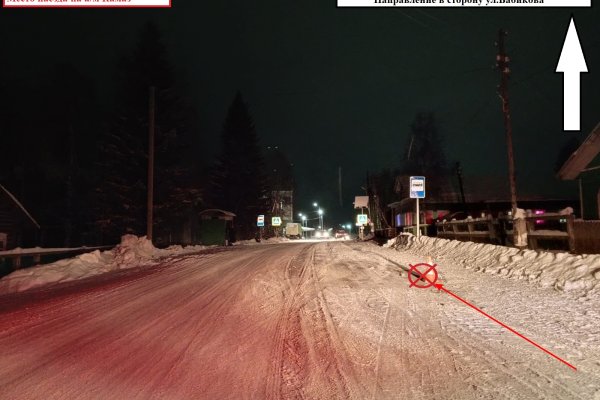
{"type": "Point", "coordinates": [16, 255]}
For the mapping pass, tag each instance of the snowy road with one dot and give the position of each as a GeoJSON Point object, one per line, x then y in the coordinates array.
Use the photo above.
{"type": "Point", "coordinates": [300, 320]}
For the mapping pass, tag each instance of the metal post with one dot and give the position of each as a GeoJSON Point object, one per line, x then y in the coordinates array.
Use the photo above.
{"type": "Point", "coordinates": [580, 199]}
{"type": "Point", "coordinates": [418, 229]}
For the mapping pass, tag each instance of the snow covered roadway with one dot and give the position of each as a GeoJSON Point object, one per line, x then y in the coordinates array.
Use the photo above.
{"type": "Point", "coordinates": [295, 320]}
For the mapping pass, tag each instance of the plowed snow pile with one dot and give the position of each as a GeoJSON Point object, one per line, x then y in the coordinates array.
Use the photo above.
{"type": "Point", "coordinates": [562, 271]}
{"type": "Point", "coordinates": [132, 252]}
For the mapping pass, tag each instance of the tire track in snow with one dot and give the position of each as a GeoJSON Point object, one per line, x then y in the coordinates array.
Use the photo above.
{"type": "Point", "coordinates": [340, 375]}
{"type": "Point", "coordinates": [94, 331]}
{"type": "Point", "coordinates": [286, 377]}
{"type": "Point", "coordinates": [378, 358]}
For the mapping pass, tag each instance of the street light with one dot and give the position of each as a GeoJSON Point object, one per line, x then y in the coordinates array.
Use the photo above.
{"type": "Point", "coordinates": [320, 218]}
{"type": "Point", "coordinates": [303, 224]}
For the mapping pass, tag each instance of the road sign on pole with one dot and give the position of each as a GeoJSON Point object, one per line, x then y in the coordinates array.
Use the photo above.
{"type": "Point", "coordinates": [417, 187]}
{"type": "Point", "coordinates": [276, 221]}
{"type": "Point", "coordinates": [417, 191]}
{"type": "Point", "coordinates": [260, 220]}
{"type": "Point", "coordinates": [362, 219]}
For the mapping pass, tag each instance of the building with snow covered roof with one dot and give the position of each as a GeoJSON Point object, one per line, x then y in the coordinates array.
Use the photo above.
{"type": "Point", "coordinates": [584, 165]}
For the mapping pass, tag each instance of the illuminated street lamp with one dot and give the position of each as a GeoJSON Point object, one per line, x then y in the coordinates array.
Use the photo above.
{"type": "Point", "coordinates": [316, 205]}
{"type": "Point", "coordinates": [303, 224]}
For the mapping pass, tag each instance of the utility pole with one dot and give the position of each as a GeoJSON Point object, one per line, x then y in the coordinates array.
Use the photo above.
{"type": "Point", "coordinates": [150, 196]}
{"type": "Point", "coordinates": [460, 183]}
{"type": "Point", "coordinates": [502, 61]}
{"type": "Point", "coordinates": [340, 184]}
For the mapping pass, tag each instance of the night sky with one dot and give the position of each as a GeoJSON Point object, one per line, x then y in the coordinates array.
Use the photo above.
{"type": "Point", "coordinates": [340, 87]}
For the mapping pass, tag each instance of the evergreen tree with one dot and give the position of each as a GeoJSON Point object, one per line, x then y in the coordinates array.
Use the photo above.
{"type": "Point", "coordinates": [66, 126]}
{"type": "Point", "coordinates": [7, 150]}
{"type": "Point", "coordinates": [124, 147]}
{"type": "Point", "coordinates": [20, 150]}
{"type": "Point", "coordinates": [238, 183]}
{"type": "Point", "coordinates": [47, 155]}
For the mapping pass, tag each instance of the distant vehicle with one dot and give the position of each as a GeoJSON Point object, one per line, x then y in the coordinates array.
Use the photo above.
{"type": "Point", "coordinates": [322, 234]}
{"type": "Point", "coordinates": [341, 234]}
{"type": "Point", "coordinates": [293, 230]}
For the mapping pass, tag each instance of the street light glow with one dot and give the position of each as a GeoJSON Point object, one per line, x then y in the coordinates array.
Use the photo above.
{"type": "Point", "coordinates": [315, 204]}
{"type": "Point", "coordinates": [320, 212]}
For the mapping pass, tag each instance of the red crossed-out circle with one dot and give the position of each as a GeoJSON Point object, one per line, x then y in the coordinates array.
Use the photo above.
{"type": "Point", "coordinates": [419, 272]}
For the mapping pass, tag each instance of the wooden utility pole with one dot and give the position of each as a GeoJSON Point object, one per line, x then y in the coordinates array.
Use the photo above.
{"type": "Point", "coordinates": [150, 197]}
{"type": "Point", "coordinates": [340, 184]}
{"type": "Point", "coordinates": [460, 183]}
{"type": "Point", "coordinates": [502, 61]}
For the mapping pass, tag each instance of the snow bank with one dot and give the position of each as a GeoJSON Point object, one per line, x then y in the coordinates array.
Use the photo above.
{"type": "Point", "coordinates": [271, 240]}
{"type": "Point", "coordinates": [561, 271]}
{"type": "Point", "coordinates": [132, 252]}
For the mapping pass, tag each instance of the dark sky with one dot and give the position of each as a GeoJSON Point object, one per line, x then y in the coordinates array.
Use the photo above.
{"type": "Point", "coordinates": [340, 87]}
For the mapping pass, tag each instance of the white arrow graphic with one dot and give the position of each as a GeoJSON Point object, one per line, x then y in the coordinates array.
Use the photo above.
{"type": "Point", "coordinates": [572, 64]}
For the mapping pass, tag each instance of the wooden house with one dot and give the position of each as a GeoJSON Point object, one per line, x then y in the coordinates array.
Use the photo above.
{"type": "Point", "coordinates": [584, 165]}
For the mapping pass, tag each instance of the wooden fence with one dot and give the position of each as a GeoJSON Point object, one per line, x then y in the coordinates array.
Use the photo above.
{"type": "Point", "coordinates": [413, 229]}
{"type": "Point", "coordinates": [387, 233]}
{"type": "Point", "coordinates": [480, 230]}
{"type": "Point", "coordinates": [552, 231]}
{"type": "Point", "coordinates": [586, 237]}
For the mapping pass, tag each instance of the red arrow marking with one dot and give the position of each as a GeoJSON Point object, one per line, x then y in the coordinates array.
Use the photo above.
{"type": "Point", "coordinates": [439, 286]}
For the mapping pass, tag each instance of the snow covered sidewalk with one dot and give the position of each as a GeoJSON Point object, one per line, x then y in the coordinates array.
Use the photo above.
{"type": "Point", "coordinates": [579, 274]}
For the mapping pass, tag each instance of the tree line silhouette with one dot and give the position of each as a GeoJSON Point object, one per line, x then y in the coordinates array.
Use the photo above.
{"type": "Point", "coordinates": [80, 166]}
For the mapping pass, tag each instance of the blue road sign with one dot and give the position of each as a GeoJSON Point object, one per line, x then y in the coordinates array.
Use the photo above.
{"type": "Point", "coordinates": [417, 187]}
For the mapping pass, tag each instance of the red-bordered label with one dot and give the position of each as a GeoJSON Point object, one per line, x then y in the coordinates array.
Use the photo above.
{"type": "Point", "coordinates": [86, 3]}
